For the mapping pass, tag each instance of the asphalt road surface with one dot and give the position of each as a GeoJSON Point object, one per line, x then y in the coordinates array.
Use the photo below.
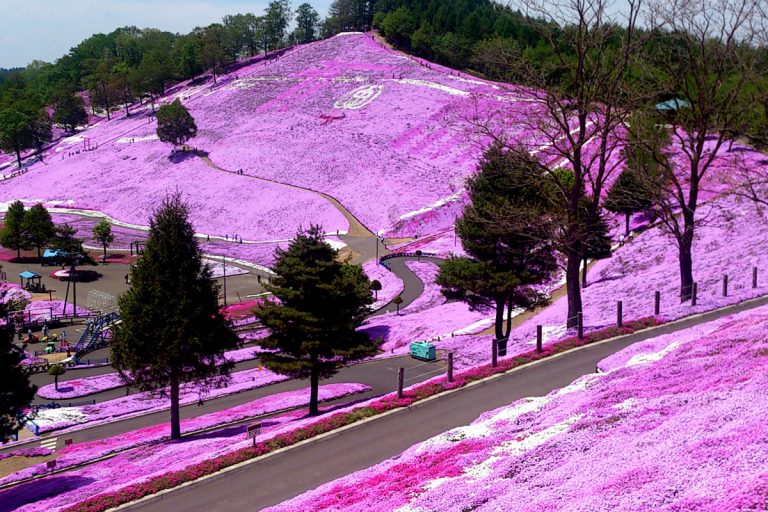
{"type": "Point", "coordinates": [380, 374]}
{"type": "Point", "coordinates": [290, 473]}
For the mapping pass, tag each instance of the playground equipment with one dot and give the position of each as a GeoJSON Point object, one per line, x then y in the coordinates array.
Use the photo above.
{"type": "Point", "coordinates": [423, 350]}
{"type": "Point", "coordinates": [97, 334]}
{"type": "Point", "coordinates": [101, 301]}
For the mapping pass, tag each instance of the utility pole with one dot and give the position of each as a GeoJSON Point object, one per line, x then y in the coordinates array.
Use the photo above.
{"type": "Point", "coordinates": [224, 262]}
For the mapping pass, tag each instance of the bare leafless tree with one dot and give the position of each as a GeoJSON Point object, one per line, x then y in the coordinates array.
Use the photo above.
{"type": "Point", "coordinates": [575, 106]}
{"type": "Point", "coordinates": [705, 55]}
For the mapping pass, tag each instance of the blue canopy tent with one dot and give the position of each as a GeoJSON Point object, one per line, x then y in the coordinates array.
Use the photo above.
{"type": "Point", "coordinates": [33, 280]}
{"type": "Point", "coordinates": [53, 257]}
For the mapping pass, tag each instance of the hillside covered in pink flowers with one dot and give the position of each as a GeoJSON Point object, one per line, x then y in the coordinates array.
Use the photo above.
{"type": "Point", "coordinates": [673, 423]}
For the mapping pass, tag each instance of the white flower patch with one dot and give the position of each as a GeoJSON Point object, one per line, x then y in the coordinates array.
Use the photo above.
{"type": "Point", "coordinates": [47, 417]}
{"type": "Point", "coordinates": [336, 244]}
{"type": "Point", "coordinates": [514, 448]}
{"type": "Point", "coordinates": [130, 140]}
{"type": "Point", "coordinates": [626, 405]}
{"type": "Point", "coordinates": [653, 356]}
{"type": "Point", "coordinates": [476, 326]}
{"type": "Point", "coordinates": [360, 97]}
{"type": "Point", "coordinates": [432, 85]}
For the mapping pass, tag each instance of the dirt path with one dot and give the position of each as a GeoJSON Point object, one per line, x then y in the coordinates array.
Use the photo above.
{"type": "Point", "coordinates": [356, 228]}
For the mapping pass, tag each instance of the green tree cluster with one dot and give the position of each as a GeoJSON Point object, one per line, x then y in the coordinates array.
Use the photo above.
{"type": "Point", "coordinates": [175, 124]}
{"type": "Point", "coordinates": [25, 229]}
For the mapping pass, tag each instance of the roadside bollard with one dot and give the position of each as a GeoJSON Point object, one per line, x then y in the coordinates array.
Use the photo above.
{"type": "Point", "coordinates": [754, 277]}
{"type": "Point", "coordinates": [725, 285]}
{"type": "Point", "coordinates": [494, 352]}
{"type": "Point", "coordinates": [400, 378]}
{"type": "Point", "coordinates": [539, 338]}
{"type": "Point", "coordinates": [694, 293]}
{"type": "Point", "coordinates": [619, 314]}
{"type": "Point", "coordinates": [450, 366]}
{"type": "Point", "coordinates": [657, 303]}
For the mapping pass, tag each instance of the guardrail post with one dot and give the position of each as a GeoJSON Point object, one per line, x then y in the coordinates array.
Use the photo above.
{"type": "Point", "coordinates": [450, 366]}
{"type": "Point", "coordinates": [694, 293]}
{"type": "Point", "coordinates": [619, 314]}
{"type": "Point", "coordinates": [494, 352]}
{"type": "Point", "coordinates": [400, 379]}
{"type": "Point", "coordinates": [539, 338]}
{"type": "Point", "coordinates": [754, 277]}
{"type": "Point", "coordinates": [725, 285]}
{"type": "Point", "coordinates": [580, 324]}
{"type": "Point", "coordinates": [657, 303]}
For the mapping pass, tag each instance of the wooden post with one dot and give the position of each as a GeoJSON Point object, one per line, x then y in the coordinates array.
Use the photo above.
{"type": "Point", "coordinates": [754, 277]}
{"type": "Point", "coordinates": [400, 378]}
{"type": "Point", "coordinates": [725, 285]}
{"type": "Point", "coordinates": [619, 314]}
{"type": "Point", "coordinates": [539, 338]}
{"type": "Point", "coordinates": [657, 303]}
{"type": "Point", "coordinates": [450, 366]}
{"type": "Point", "coordinates": [580, 324]}
{"type": "Point", "coordinates": [694, 293]}
{"type": "Point", "coordinates": [494, 352]}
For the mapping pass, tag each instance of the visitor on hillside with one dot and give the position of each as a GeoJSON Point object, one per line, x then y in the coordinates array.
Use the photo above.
{"type": "Point", "coordinates": [45, 329]}
{"type": "Point", "coordinates": [126, 278]}
{"type": "Point", "coordinates": [621, 241]}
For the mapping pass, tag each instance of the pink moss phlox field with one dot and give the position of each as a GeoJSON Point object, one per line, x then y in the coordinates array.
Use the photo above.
{"type": "Point", "coordinates": [431, 296]}
{"type": "Point", "coordinates": [41, 310]}
{"type": "Point", "coordinates": [143, 403]}
{"type": "Point", "coordinates": [292, 433]}
{"type": "Point", "coordinates": [13, 291]}
{"type": "Point", "coordinates": [75, 388]}
{"type": "Point", "coordinates": [679, 427]}
{"type": "Point", "coordinates": [27, 452]}
{"type": "Point", "coordinates": [391, 285]}
{"type": "Point", "coordinates": [148, 436]}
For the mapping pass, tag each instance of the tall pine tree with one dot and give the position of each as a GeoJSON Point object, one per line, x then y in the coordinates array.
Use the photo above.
{"type": "Point", "coordinates": [16, 393]}
{"type": "Point", "coordinates": [322, 301]}
{"type": "Point", "coordinates": [172, 331]}
{"type": "Point", "coordinates": [13, 235]}
{"type": "Point", "coordinates": [38, 226]}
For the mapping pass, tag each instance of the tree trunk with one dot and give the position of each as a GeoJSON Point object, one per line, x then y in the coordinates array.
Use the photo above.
{"type": "Point", "coordinates": [18, 156]}
{"type": "Point", "coordinates": [626, 230]}
{"type": "Point", "coordinates": [686, 266]}
{"type": "Point", "coordinates": [39, 256]}
{"type": "Point", "coordinates": [105, 253]}
{"type": "Point", "coordinates": [572, 286]}
{"type": "Point", "coordinates": [18, 251]}
{"type": "Point", "coordinates": [56, 382]}
{"type": "Point", "coordinates": [175, 421]}
{"type": "Point", "coordinates": [314, 384]}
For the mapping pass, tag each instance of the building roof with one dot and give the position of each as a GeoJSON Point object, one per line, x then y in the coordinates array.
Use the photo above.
{"type": "Point", "coordinates": [673, 104]}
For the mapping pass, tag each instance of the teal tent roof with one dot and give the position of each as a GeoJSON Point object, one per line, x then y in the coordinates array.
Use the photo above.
{"type": "Point", "coordinates": [673, 104]}
{"type": "Point", "coordinates": [28, 275]}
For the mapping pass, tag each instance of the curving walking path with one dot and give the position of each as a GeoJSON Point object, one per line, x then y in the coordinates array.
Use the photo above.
{"type": "Point", "coordinates": [412, 285]}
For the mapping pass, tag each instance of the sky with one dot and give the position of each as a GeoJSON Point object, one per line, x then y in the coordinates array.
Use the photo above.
{"type": "Point", "coordinates": [47, 29]}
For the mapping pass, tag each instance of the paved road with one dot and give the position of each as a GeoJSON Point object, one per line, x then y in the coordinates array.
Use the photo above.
{"type": "Point", "coordinates": [295, 471]}
{"type": "Point", "coordinates": [380, 374]}
{"type": "Point", "coordinates": [412, 285]}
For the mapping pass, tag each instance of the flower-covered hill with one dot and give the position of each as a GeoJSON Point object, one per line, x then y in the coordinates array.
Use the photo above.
{"type": "Point", "coordinates": [346, 116]}
{"type": "Point", "coordinates": [675, 423]}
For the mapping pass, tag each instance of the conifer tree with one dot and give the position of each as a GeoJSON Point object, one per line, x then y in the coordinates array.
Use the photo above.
{"type": "Point", "coordinates": [12, 235]}
{"type": "Point", "coordinates": [322, 301]}
{"type": "Point", "coordinates": [16, 393]}
{"type": "Point", "coordinates": [38, 227]}
{"type": "Point", "coordinates": [172, 331]}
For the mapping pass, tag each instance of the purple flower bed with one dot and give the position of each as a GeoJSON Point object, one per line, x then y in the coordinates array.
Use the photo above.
{"type": "Point", "coordinates": [681, 430]}
{"type": "Point", "coordinates": [76, 388]}
{"type": "Point", "coordinates": [13, 291]}
{"type": "Point", "coordinates": [143, 403]}
{"type": "Point", "coordinates": [36, 451]}
{"type": "Point", "coordinates": [185, 452]}
{"type": "Point", "coordinates": [41, 310]}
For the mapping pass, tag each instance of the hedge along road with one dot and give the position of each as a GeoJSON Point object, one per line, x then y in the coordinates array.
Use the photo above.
{"type": "Point", "coordinates": [287, 474]}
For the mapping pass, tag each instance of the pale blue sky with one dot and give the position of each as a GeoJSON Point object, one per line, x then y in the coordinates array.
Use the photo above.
{"type": "Point", "coordinates": [47, 29]}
